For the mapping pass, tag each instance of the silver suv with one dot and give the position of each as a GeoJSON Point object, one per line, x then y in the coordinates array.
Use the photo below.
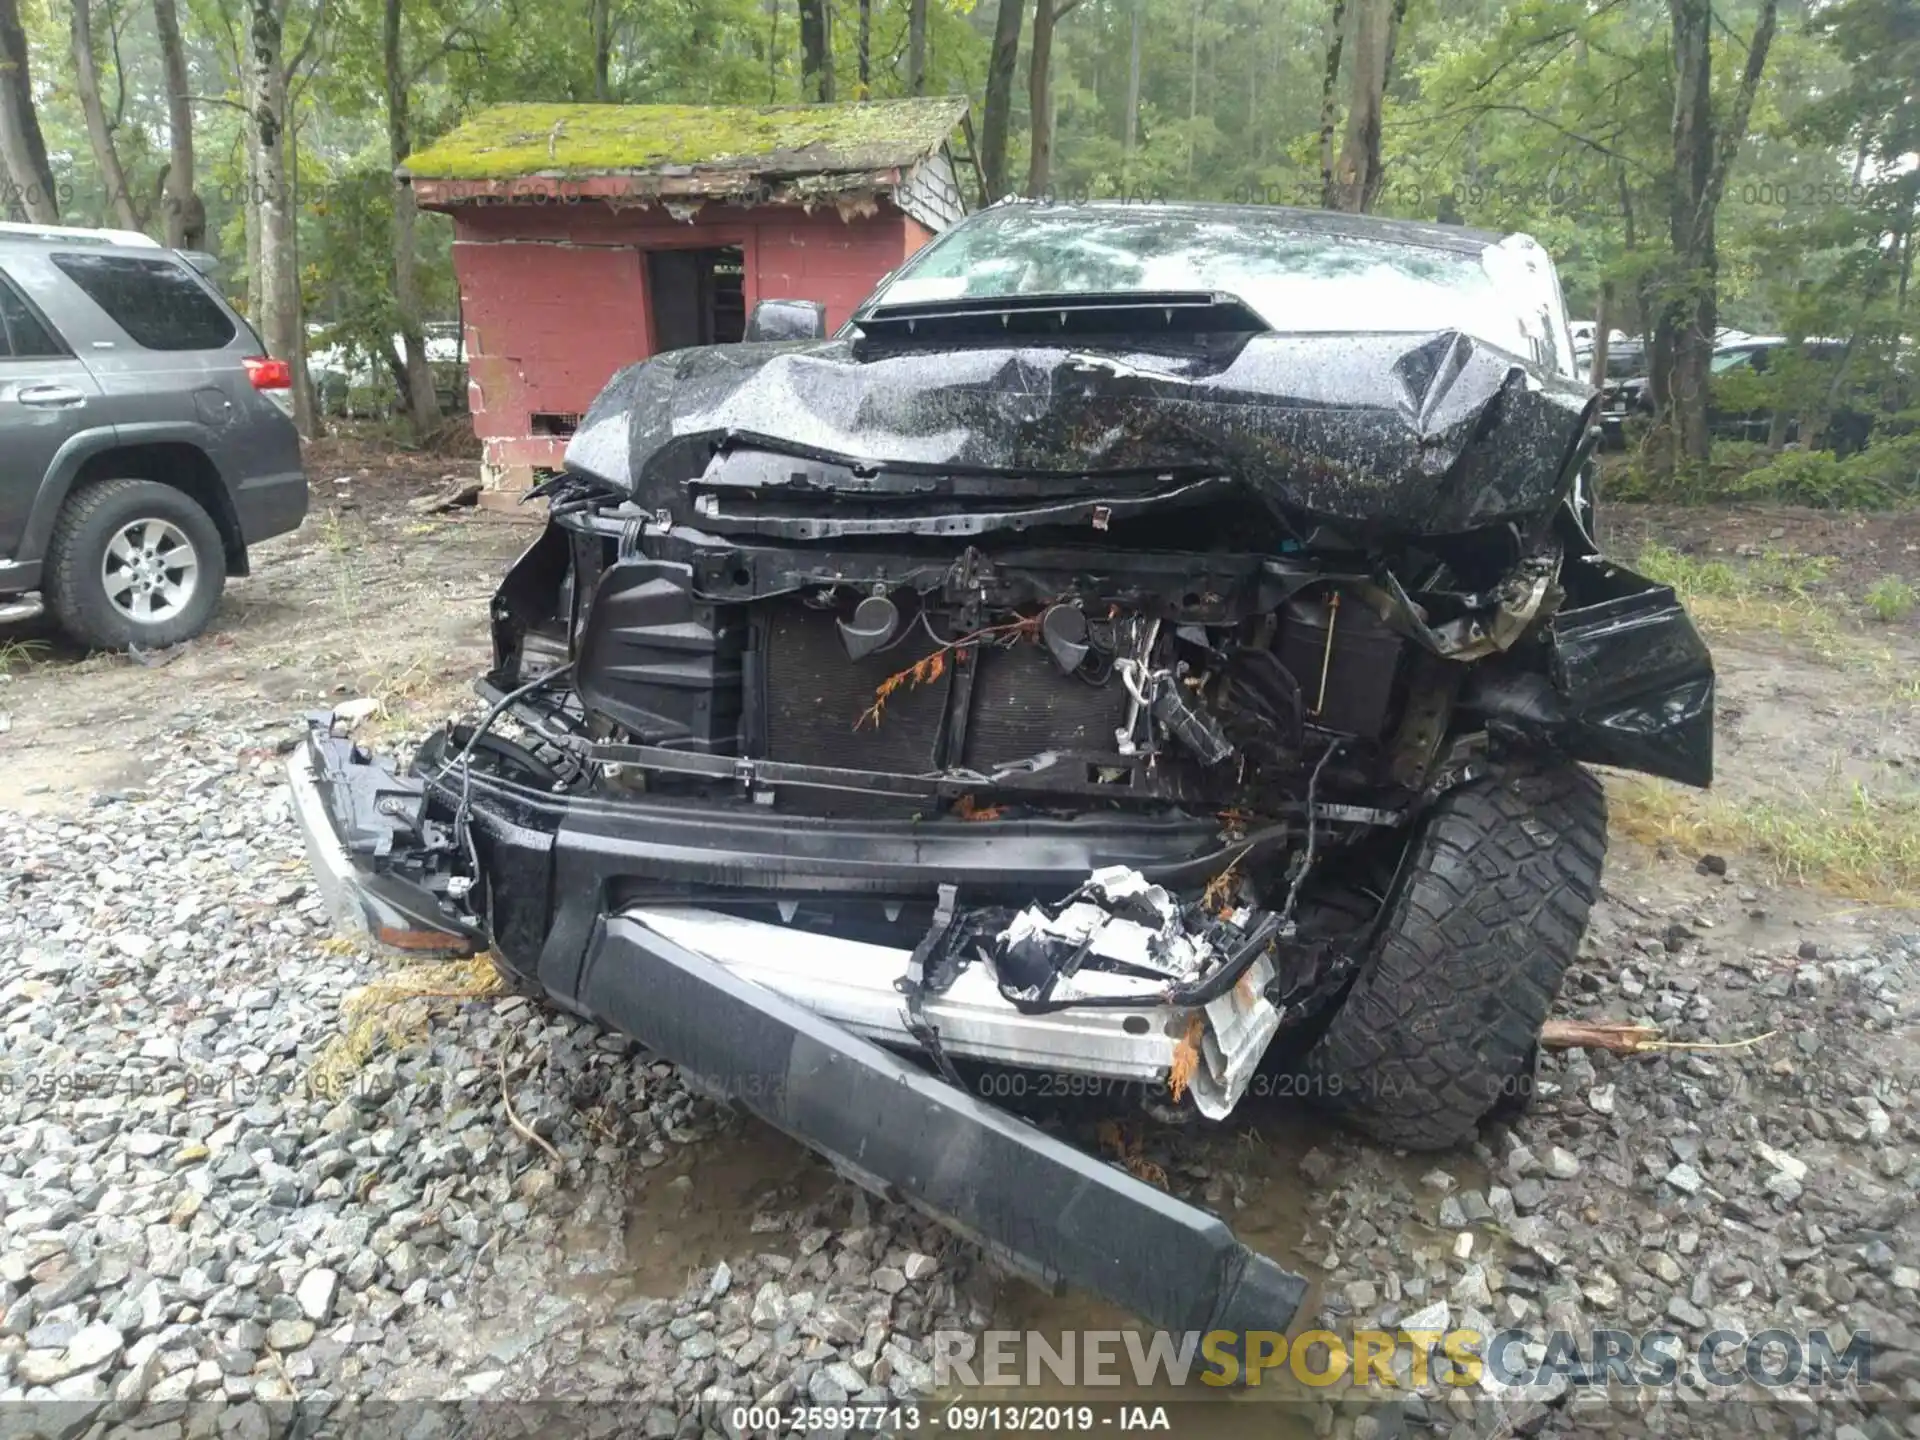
{"type": "Point", "coordinates": [146, 437]}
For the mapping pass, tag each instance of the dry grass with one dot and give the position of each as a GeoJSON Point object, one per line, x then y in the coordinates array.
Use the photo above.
{"type": "Point", "coordinates": [1186, 1057]}
{"type": "Point", "coordinates": [1780, 593]}
{"type": "Point", "coordinates": [1777, 591]}
{"type": "Point", "coordinates": [1125, 1144]}
{"type": "Point", "coordinates": [18, 656]}
{"type": "Point", "coordinates": [1855, 841]}
{"type": "Point", "coordinates": [393, 1011]}
{"type": "Point", "coordinates": [408, 691]}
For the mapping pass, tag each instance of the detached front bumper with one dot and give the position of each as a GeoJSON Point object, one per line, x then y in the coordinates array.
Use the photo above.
{"type": "Point", "coordinates": [784, 1022]}
{"type": "Point", "coordinates": [1053, 1211]}
{"type": "Point", "coordinates": [361, 900]}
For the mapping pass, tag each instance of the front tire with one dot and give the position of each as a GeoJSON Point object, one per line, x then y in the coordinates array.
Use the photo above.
{"type": "Point", "coordinates": [1440, 1024]}
{"type": "Point", "coordinates": [134, 563]}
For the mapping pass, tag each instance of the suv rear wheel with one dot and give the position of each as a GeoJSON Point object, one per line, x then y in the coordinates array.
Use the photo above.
{"type": "Point", "coordinates": [134, 563]}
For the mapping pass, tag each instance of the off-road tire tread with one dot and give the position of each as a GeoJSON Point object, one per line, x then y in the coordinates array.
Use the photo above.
{"type": "Point", "coordinates": [1487, 915]}
{"type": "Point", "coordinates": [76, 599]}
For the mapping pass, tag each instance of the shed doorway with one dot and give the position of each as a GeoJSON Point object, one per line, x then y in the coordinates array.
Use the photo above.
{"type": "Point", "coordinates": [698, 297]}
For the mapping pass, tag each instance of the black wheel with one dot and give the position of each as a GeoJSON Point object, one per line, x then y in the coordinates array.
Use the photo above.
{"type": "Point", "coordinates": [134, 563]}
{"type": "Point", "coordinates": [1485, 916]}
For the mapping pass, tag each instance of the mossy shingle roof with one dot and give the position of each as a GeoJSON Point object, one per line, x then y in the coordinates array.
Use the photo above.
{"type": "Point", "coordinates": [576, 141]}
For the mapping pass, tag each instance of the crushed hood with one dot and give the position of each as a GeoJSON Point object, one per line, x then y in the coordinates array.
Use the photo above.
{"type": "Point", "coordinates": [1387, 434]}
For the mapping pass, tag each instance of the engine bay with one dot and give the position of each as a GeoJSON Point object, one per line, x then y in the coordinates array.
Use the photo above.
{"type": "Point", "coordinates": [1213, 681]}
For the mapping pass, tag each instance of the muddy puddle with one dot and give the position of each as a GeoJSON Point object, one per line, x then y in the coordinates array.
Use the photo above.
{"type": "Point", "coordinates": [724, 1197]}
{"type": "Point", "coordinates": [716, 1200]}
{"type": "Point", "coordinates": [701, 1206]}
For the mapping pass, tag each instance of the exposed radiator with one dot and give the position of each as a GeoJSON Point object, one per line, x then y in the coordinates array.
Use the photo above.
{"type": "Point", "coordinates": [815, 697]}
{"type": "Point", "coordinates": [1021, 704]}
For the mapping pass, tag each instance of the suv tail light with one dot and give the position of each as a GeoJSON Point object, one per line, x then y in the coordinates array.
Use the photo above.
{"type": "Point", "coordinates": [273, 379]}
{"type": "Point", "coordinates": [267, 373]}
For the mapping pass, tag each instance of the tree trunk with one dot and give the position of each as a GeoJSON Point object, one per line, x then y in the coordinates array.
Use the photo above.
{"type": "Point", "coordinates": [1253, 90]}
{"type": "Point", "coordinates": [23, 148]}
{"type": "Point", "coordinates": [1780, 417]}
{"type": "Point", "coordinates": [1906, 261]}
{"type": "Point", "coordinates": [1634, 309]}
{"type": "Point", "coordinates": [773, 51]}
{"type": "Point", "coordinates": [997, 111]}
{"type": "Point", "coordinates": [86, 81]}
{"type": "Point", "coordinates": [304, 418]}
{"type": "Point", "coordinates": [1329, 81]}
{"type": "Point", "coordinates": [1682, 351]}
{"type": "Point", "coordinates": [601, 21]}
{"type": "Point", "coordinates": [266, 100]}
{"type": "Point", "coordinates": [1357, 174]}
{"type": "Point", "coordinates": [1133, 81]}
{"type": "Point", "coordinates": [250, 215]}
{"type": "Point", "coordinates": [816, 51]}
{"type": "Point", "coordinates": [1679, 359]}
{"type": "Point", "coordinates": [863, 49]}
{"type": "Point", "coordinates": [1193, 85]}
{"type": "Point", "coordinates": [423, 408]}
{"type": "Point", "coordinates": [186, 215]}
{"type": "Point", "coordinates": [917, 47]}
{"type": "Point", "coordinates": [396, 371]}
{"type": "Point", "coordinates": [1602, 328]}
{"type": "Point", "coordinates": [1395, 19]}
{"type": "Point", "coordinates": [1040, 99]}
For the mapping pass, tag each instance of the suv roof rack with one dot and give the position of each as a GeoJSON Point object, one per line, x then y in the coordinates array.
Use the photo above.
{"type": "Point", "coordinates": [74, 235]}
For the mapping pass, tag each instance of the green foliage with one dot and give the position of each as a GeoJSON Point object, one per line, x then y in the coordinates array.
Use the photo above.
{"type": "Point", "coordinates": [1776, 575]}
{"type": "Point", "coordinates": [1690, 577]}
{"type": "Point", "coordinates": [1890, 599]}
{"type": "Point", "coordinates": [1884, 475]}
{"type": "Point", "coordinates": [1553, 117]}
{"type": "Point", "coordinates": [346, 276]}
{"type": "Point", "coordinates": [1744, 390]}
{"type": "Point", "coordinates": [1633, 478]}
{"type": "Point", "coordinates": [1799, 477]}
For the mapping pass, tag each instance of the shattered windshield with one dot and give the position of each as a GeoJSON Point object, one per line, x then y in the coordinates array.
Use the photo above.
{"type": "Point", "coordinates": [1295, 279]}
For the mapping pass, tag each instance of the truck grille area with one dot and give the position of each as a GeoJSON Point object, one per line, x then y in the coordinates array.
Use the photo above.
{"type": "Point", "coordinates": [1020, 704]}
{"type": "Point", "coordinates": [1088, 674]}
{"type": "Point", "coordinates": [815, 697]}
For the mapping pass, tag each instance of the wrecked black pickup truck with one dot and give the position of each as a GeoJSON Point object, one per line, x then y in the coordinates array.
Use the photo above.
{"type": "Point", "coordinates": [1152, 644]}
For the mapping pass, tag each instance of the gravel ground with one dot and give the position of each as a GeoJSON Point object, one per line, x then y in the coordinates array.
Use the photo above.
{"type": "Point", "coordinates": [183, 1217]}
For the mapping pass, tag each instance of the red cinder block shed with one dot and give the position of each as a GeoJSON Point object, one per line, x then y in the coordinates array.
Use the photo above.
{"type": "Point", "coordinates": [586, 237]}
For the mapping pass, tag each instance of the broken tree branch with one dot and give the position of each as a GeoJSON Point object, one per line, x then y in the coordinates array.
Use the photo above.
{"type": "Point", "coordinates": [1624, 1039]}
{"type": "Point", "coordinates": [520, 1127]}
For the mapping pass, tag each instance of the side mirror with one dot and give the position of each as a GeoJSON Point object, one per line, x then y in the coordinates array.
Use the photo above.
{"type": "Point", "coordinates": [787, 320]}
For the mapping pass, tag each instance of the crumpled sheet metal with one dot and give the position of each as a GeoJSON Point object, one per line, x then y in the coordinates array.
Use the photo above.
{"type": "Point", "coordinates": [1135, 940]}
{"type": "Point", "coordinates": [1130, 930]}
{"type": "Point", "coordinates": [1240, 1025]}
{"type": "Point", "coordinates": [1386, 434]}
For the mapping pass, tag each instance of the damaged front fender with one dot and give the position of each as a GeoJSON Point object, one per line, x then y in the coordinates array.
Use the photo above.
{"type": "Point", "coordinates": [1626, 679]}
